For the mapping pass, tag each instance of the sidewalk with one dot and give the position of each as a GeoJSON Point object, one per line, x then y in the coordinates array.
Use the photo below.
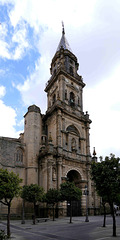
{"type": "Point", "coordinates": [61, 227]}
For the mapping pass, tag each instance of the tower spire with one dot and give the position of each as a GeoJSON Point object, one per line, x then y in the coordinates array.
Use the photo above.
{"type": "Point", "coordinates": [63, 30]}
{"type": "Point", "coordinates": [63, 42]}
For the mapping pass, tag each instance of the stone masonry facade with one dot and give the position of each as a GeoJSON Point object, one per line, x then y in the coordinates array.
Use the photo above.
{"type": "Point", "coordinates": [55, 146]}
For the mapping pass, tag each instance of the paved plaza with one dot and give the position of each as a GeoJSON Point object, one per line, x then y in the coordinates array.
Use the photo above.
{"type": "Point", "coordinates": [61, 229]}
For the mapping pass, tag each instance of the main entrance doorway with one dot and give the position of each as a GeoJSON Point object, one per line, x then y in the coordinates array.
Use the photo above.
{"type": "Point", "coordinates": [74, 176]}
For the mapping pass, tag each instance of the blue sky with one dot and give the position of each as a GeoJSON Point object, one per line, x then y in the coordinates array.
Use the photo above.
{"type": "Point", "coordinates": [30, 31]}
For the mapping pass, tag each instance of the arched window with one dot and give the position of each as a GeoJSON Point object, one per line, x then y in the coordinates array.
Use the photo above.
{"type": "Point", "coordinates": [72, 99]}
{"type": "Point", "coordinates": [72, 129]}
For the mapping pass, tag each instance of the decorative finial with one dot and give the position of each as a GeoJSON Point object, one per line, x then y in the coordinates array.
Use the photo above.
{"type": "Point", "coordinates": [63, 31]}
{"type": "Point", "coordinates": [94, 152]}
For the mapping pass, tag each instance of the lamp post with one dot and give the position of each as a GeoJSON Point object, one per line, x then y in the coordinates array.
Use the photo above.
{"type": "Point", "coordinates": [86, 193]}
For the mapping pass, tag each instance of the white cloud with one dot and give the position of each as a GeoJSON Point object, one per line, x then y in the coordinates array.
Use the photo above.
{"type": "Point", "coordinates": [20, 38]}
{"type": "Point", "coordinates": [8, 125]}
{"type": "Point", "coordinates": [32, 91]}
{"type": "Point", "coordinates": [13, 46]}
{"type": "Point", "coordinates": [4, 46]}
{"type": "Point", "coordinates": [51, 13]}
{"type": "Point", "coordinates": [4, 52]}
{"type": "Point", "coordinates": [20, 123]}
{"type": "Point", "coordinates": [103, 104]}
{"type": "Point", "coordinates": [2, 91]}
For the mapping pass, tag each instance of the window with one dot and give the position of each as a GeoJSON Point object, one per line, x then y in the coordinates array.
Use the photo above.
{"type": "Point", "coordinates": [66, 139]}
{"type": "Point", "coordinates": [72, 129]}
{"type": "Point", "coordinates": [71, 70]}
{"type": "Point", "coordinates": [54, 71]}
{"type": "Point", "coordinates": [72, 99]}
{"type": "Point", "coordinates": [19, 156]}
{"type": "Point", "coordinates": [79, 144]}
{"type": "Point", "coordinates": [54, 98]}
{"type": "Point", "coordinates": [65, 94]}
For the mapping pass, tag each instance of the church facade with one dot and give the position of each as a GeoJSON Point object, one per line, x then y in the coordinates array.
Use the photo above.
{"type": "Point", "coordinates": [55, 146]}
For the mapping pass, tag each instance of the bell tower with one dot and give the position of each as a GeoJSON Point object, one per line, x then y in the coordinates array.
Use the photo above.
{"type": "Point", "coordinates": [65, 153]}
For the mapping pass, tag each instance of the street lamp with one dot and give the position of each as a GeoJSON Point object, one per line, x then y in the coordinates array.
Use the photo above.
{"type": "Point", "coordinates": [86, 193]}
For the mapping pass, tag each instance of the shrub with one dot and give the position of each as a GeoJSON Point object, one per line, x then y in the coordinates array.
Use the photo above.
{"type": "Point", "coordinates": [3, 236]}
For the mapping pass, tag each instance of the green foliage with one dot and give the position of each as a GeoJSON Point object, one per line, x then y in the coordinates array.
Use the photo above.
{"type": "Point", "coordinates": [52, 196]}
{"type": "Point", "coordinates": [70, 192]}
{"type": "Point", "coordinates": [9, 186]}
{"type": "Point", "coordinates": [106, 175]}
{"type": "Point", "coordinates": [3, 236]}
{"type": "Point", "coordinates": [32, 193]}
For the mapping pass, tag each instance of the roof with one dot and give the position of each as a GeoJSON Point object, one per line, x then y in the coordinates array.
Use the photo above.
{"type": "Point", "coordinates": [63, 42]}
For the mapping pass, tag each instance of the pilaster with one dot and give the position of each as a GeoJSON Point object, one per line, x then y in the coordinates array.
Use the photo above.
{"type": "Point", "coordinates": [50, 173]}
{"type": "Point", "coordinates": [59, 164]}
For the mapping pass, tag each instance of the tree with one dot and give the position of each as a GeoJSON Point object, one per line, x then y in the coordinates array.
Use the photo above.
{"type": "Point", "coordinates": [9, 188]}
{"type": "Point", "coordinates": [70, 192]}
{"type": "Point", "coordinates": [106, 175]}
{"type": "Point", "coordinates": [33, 193]}
{"type": "Point", "coordinates": [53, 197]}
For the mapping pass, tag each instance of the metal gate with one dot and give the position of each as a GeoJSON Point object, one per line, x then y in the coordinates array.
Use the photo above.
{"type": "Point", "coordinates": [76, 208]}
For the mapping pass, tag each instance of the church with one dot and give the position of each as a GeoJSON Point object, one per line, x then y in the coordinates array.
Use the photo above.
{"type": "Point", "coordinates": [55, 146]}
